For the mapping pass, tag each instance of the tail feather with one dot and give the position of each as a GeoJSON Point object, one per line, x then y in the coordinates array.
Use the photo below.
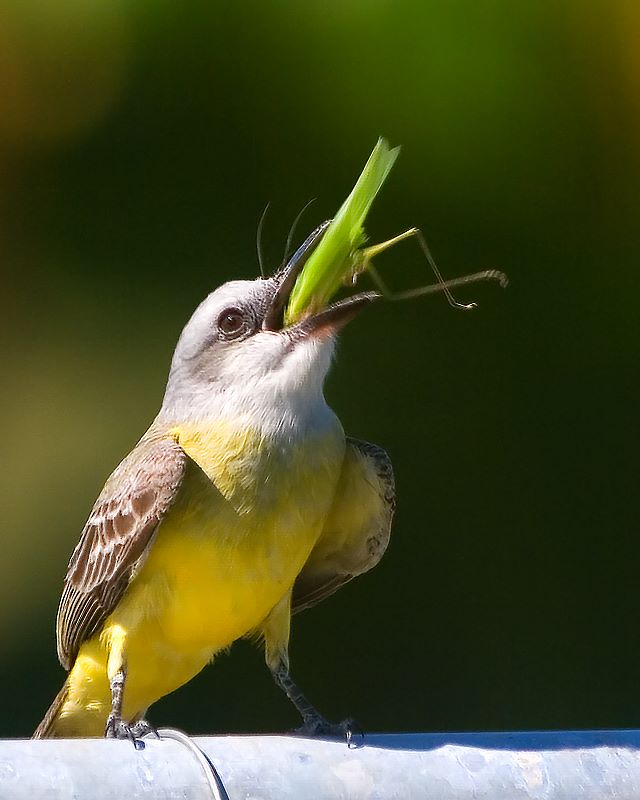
{"type": "Point", "coordinates": [47, 728]}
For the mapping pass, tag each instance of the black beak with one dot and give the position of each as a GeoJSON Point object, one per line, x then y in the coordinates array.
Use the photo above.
{"type": "Point", "coordinates": [287, 276]}
{"type": "Point", "coordinates": [332, 318]}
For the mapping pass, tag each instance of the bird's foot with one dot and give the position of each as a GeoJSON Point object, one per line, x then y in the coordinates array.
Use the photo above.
{"type": "Point", "coordinates": [117, 728]}
{"type": "Point", "coordinates": [319, 727]}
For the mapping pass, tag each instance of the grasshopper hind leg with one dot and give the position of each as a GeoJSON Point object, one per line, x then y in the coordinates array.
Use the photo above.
{"type": "Point", "coordinates": [366, 256]}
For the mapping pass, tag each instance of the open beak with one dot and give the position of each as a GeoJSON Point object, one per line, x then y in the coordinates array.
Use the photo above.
{"type": "Point", "coordinates": [287, 276]}
{"type": "Point", "coordinates": [335, 316]}
{"type": "Point", "coordinates": [332, 318]}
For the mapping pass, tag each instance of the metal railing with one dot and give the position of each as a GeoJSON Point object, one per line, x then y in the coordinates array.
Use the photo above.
{"type": "Point", "coordinates": [562, 765]}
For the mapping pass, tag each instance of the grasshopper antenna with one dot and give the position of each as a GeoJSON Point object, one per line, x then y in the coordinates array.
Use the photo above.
{"type": "Point", "coordinates": [292, 230]}
{"type": "Point", "coordinates": [259, 238]}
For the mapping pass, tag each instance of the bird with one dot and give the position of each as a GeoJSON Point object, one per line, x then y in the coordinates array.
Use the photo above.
{"type": "Point", "coordinates": [243, 503]}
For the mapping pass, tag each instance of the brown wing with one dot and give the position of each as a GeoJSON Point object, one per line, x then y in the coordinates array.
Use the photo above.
{"type": "Point", "coordinates": [116, 538]}
{"type": "Point", "coordinates": [357, 529]}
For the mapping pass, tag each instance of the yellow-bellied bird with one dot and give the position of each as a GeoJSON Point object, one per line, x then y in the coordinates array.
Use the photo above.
{"type": "Point", "coordinates": [242, 503]}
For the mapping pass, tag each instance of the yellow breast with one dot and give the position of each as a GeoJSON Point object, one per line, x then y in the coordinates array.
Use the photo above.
{"type": "Point", "coordinates": [248, 513]}
{"type": "Point", "coordinates": [245, 520]}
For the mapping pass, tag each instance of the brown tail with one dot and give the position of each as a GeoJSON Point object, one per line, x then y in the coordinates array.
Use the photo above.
{"type": "Point", "coordinates": [46, 729]}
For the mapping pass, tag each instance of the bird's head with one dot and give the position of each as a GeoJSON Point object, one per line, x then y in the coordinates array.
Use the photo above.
{"type": "Point", "coordinates": [236, 351]}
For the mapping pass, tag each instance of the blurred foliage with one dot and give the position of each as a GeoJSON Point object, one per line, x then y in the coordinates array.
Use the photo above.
{"type": "Point", "coordinates": [139, 143]}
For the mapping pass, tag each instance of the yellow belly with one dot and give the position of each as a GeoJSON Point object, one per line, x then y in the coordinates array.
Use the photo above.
{"type": "Point", "coordinates": [222, 559]}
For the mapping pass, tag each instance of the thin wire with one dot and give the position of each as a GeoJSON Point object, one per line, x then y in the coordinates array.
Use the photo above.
{"type": "Point", "coordinates": [259, 238]}
{"type": "Point", "coordinates": [218, 791]}
{"type": "Point", "coordinates": [292, 230]}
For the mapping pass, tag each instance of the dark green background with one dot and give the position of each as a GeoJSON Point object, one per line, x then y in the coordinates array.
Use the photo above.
{"type": "Point", "coordinates": [139, 143]}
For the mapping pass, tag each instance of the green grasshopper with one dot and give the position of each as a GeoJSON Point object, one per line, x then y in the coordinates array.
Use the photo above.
{"type": "Point", "coordinates": [340, 257]}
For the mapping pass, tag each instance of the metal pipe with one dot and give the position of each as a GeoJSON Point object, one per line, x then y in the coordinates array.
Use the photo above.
{"type": "Point", "coordinates": [562, 765]}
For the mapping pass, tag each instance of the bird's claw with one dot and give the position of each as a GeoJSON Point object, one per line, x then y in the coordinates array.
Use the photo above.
{"type": "Point", "coordinates": [319, 727]}
{"type": "Point", "coordinates": [117, 728]}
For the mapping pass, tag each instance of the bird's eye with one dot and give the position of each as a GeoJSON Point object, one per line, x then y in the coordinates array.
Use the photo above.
{"type": "Point", "coordinates": [232, 323]}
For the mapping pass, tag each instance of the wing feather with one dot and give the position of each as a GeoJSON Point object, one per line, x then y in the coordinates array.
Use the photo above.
{"type": "Point", "coordinates": [116, 538]}
{"type": "Point", "coordinates": [358, 527]}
